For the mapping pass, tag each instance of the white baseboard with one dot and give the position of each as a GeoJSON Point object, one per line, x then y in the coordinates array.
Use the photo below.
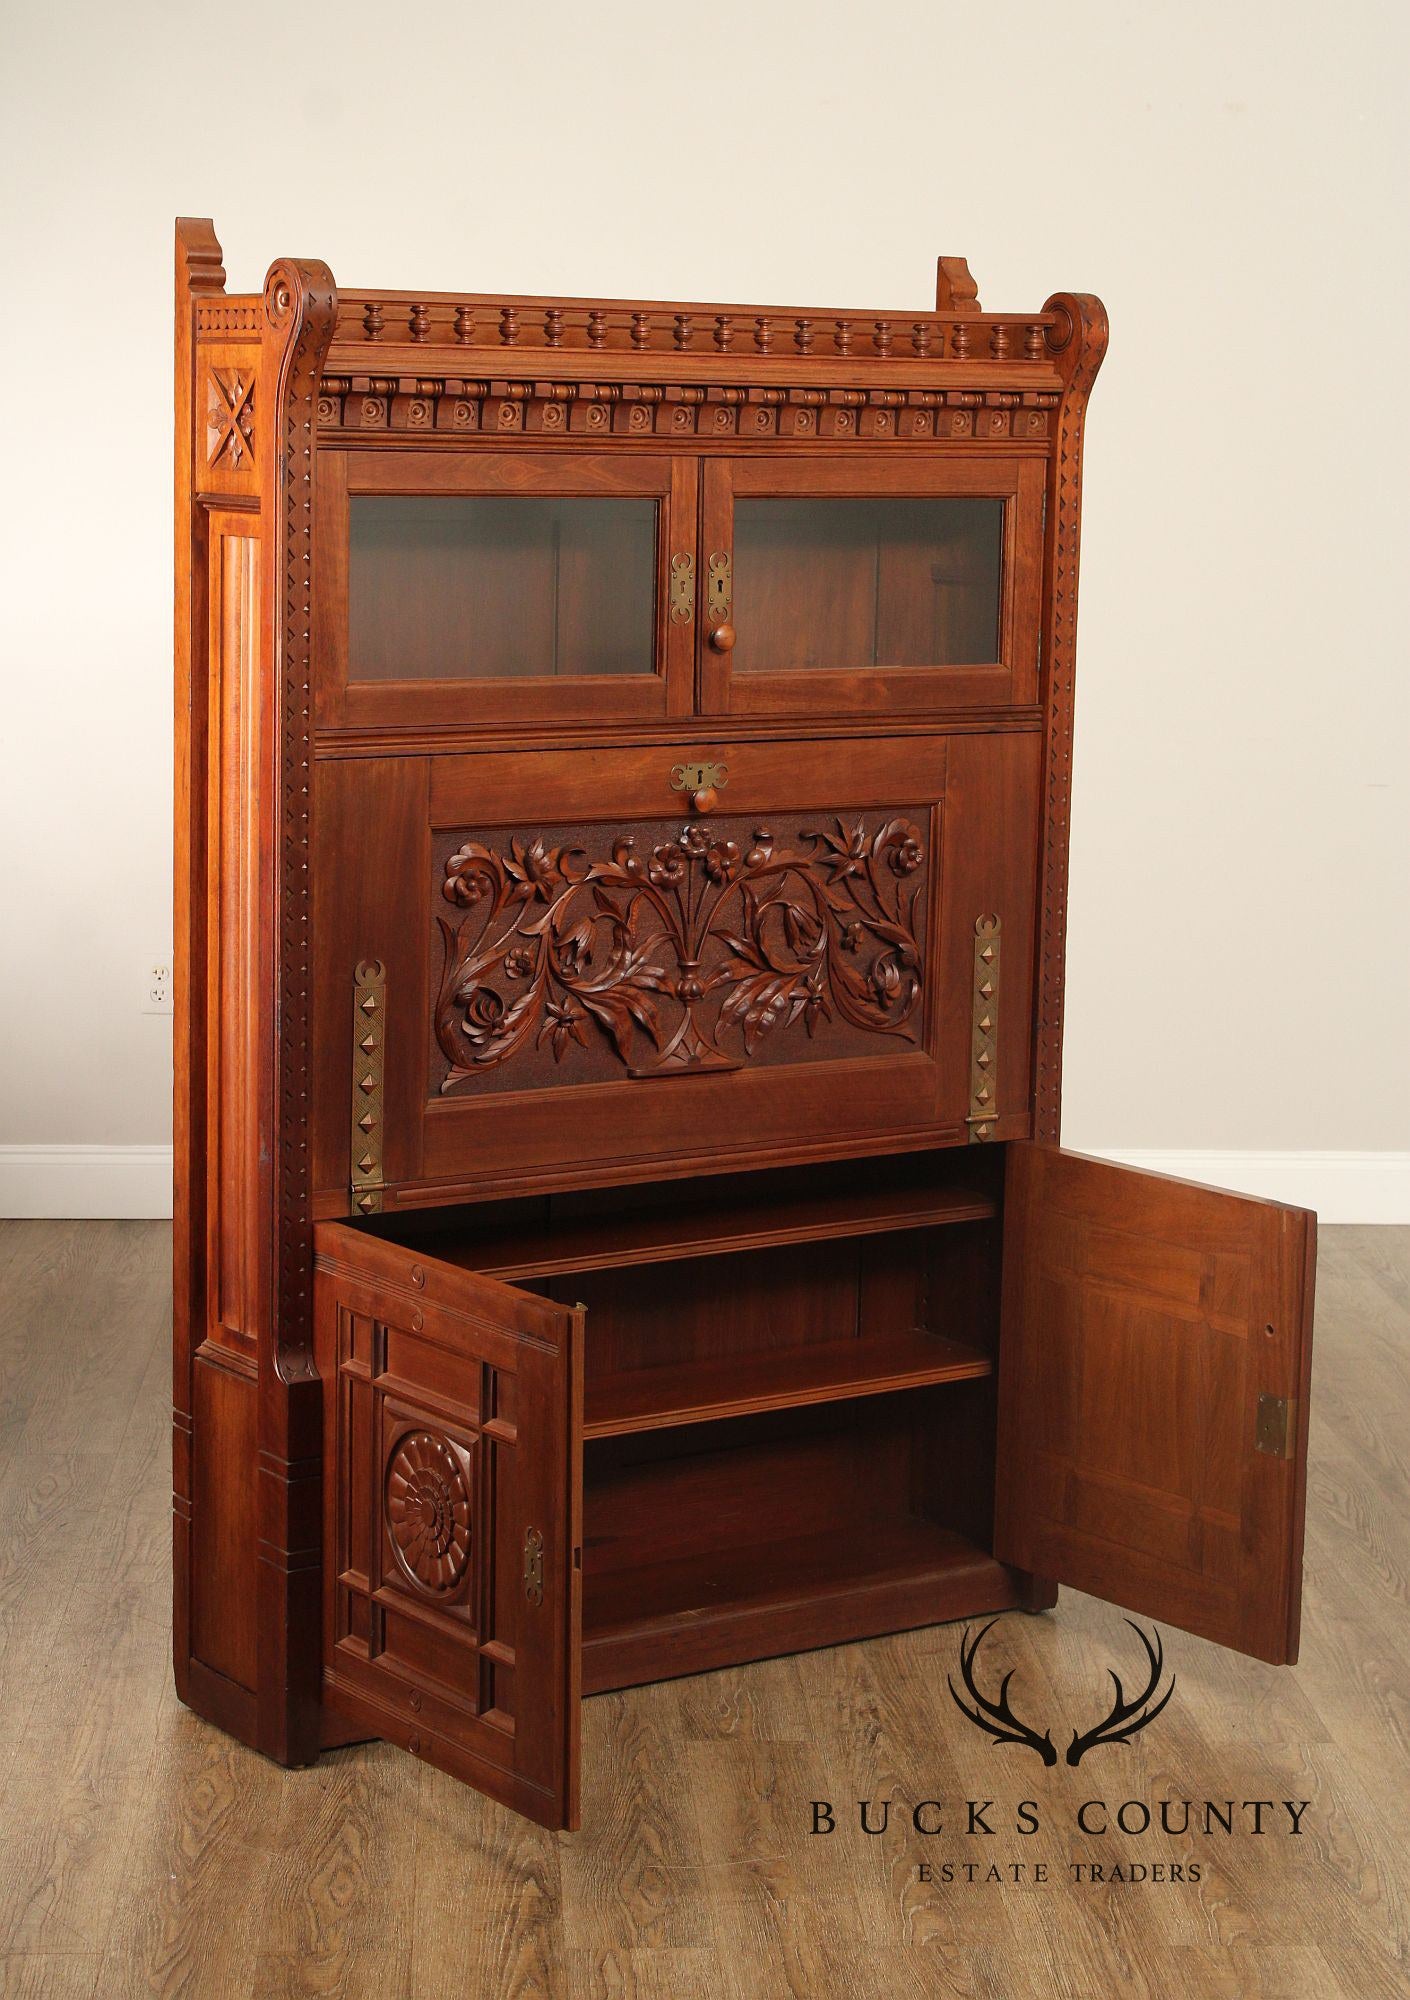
{"type": "Point", "coordinates": [85, 1180]}
{"type": "Point", "coordinates": [136, 1180]}
{"type": "Point", "coordinates": [1341, 1187]}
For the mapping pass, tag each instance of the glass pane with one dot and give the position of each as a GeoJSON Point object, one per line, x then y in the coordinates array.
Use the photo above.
{"type": "Point", "coordinates": [495, 587]}
{"type": "Point", "coordinates": [866, 583]}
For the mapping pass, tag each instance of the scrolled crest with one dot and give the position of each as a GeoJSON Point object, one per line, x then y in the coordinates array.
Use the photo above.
{"type": "Point", "coordinates": [296, 288]}
{"type": "Point", "coordinates": [1077, 331]}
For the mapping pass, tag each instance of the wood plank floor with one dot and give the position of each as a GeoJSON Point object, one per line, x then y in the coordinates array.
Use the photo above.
{"type": "Point", "coordinates": [141, 1852]}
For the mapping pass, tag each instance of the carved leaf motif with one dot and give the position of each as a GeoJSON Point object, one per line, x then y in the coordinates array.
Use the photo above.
{"type": "Point", "coordinates": [693, 949]}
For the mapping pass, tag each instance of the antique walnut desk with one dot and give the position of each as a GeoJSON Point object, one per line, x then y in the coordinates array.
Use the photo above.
{"type": "Point", "coordinates": [622, 800]}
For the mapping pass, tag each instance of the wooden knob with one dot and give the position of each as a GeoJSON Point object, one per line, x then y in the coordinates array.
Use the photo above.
{"type": "Point", "coordinates": [704, 801]}
{"type": "Point", "coordinates": [722, 638]}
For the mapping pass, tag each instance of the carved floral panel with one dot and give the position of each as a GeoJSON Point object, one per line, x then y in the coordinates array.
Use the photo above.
{"type": "Point", "coordinates": [583, 954]}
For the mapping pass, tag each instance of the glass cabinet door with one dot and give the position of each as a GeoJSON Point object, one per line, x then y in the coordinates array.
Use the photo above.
{"type": "Point", "coordinates": [838, 585]}
{"type": "Point", "coordinates": [480, 587]}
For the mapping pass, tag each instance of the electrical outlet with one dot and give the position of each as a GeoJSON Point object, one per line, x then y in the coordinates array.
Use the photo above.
{"type": "Point", "coordinates": [156, 986]}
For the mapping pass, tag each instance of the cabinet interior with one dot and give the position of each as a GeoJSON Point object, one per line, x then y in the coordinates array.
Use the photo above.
{"type": "Point", "coordinates": [789, 1405]}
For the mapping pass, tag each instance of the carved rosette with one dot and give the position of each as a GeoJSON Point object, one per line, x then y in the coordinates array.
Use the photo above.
{"type": "Point", "coordinates": [692, 951]}
{"type": "Point", "coordinates": [427, 1511]}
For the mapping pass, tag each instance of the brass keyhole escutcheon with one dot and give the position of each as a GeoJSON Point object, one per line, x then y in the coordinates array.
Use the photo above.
{"type": "Point", "coordinates": [682, 589]}
{"type": "Point", "coordinates": [703, 782]}
{"type": "Point", "coordinates": [719, 602]}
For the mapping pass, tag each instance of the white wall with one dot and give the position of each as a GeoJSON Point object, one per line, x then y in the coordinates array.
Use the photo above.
{"type": "Point", "coordinates": [1230, 178]}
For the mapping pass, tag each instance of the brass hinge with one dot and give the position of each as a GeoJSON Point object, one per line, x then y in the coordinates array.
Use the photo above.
{"type": "Point", "coordinates": [682, 589]}
{"type": "Point", "coordinates": [533, 1565]}
{"type": "Point", "coordinates": [984, 1031]}
{"type": "Point", "coordinates": [1273, 1430]}
{"type": "Point", "coordinates": [369, 1033]}
{"type": "Point", "coordinates": [719, 591]}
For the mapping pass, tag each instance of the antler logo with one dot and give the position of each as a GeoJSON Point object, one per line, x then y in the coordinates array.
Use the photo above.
{"type": "Point", "coordinates": [1124, 1720]}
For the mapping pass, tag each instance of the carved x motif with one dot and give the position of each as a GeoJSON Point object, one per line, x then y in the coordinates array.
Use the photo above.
{"type": "Point", "coordinates": [231, 417]}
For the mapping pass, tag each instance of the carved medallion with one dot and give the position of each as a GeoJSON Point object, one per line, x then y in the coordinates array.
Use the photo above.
{"type": "Point", "coordinates": [428, 1511]}
{"type": "Point", "coordinates": [679, 948]}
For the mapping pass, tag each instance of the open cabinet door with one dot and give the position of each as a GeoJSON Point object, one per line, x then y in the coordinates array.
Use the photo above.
{"type": "Point", "coordinates": [452, 1517]}
{"type": "Point", "coordinates": [1154, 1362]}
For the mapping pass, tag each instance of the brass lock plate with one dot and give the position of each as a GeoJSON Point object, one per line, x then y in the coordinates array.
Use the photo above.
{"type": "Point", "coordinates": [533, 1565]}
{"type": "Point", "coordinates": [699, 777]}
{"type": "Point", "coordinates": [1273, 1428]}
{"type": "Point", "coordinates": [719, 590]}
{"type": "Point", "coordinates": [682, 589]}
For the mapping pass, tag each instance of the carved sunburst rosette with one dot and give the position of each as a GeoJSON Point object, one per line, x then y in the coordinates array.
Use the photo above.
{"type": "Point", "coordinates": [428, 1511]}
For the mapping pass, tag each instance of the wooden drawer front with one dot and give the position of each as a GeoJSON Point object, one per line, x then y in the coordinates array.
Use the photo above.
{"type": "Point", "coordinates": [618, 982]}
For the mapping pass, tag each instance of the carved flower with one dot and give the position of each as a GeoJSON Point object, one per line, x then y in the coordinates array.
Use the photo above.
{"type": "Point", "coordinates": [815, 1007]}
{"type": "Point", "coordinates": [722, 861]}
{"type": "Point", "coordinates": [666, 867]}
{"type": "Point", "coordinates": [470, 873]}
{"type": "Point", "coordinates": [563, 1023]}
{"type": "Point", "coordinates": [519, 963]}
{"type": "Point", "coordinates": [536, 870]}
{"type": "Point", "coordinates": [846, 851]}
{"type": "Point", "coordinates": [762, 849]}
{"type": "Point", "coordinates": [463, 888]}
{"type": "Point", "coordinates": [694, 840]}
{"type": "Point", "coordinates": [484, 1014]}
{"type": "Point", "coordinates": [906, 854]}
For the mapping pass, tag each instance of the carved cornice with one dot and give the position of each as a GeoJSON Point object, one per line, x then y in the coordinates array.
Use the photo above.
{"type": "Point", "coordinates": [415, 405]}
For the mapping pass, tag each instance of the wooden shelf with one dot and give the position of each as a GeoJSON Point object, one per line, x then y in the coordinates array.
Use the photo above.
{"type": "Point", "coordinates": [743, 1603]}
{"type": "Point", "coordinates": [733, 1385]}
{"type": "Point", "coordinates": [653, 1236]}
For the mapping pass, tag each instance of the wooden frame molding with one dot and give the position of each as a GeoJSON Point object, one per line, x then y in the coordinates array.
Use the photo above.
{"type": "Point", "coordinates": [1078, 338]}
{"type": "Point", "coordinates": [247, 376]}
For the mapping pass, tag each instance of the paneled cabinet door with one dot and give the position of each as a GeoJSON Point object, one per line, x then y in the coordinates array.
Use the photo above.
{"type": "Point", "coordinates": [1154, 1364]}
{"type": "Point", "coordinates": [452, 1510]}
{"type": "Point", "coordinates": [464, 589]}
{"type": "Point", "coordinates": [866, 586]}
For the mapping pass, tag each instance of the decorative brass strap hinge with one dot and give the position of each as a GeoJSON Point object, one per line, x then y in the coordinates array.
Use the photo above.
{"type": "Point", "coordinates": [369, 1035]}
{"type": "Point", "coordinates": [533, 1565]}
{"type": "Point", "coordinates": [984, 1032]}
{"type": "Point", "coordinates": [682, 589]}
{"type": "Point", "coordinates": [1273, 1429]}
